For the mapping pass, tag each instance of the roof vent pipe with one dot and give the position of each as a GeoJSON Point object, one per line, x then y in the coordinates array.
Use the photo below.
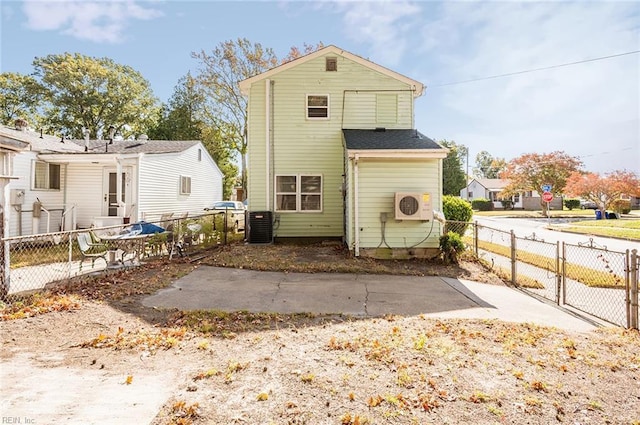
{"type": "Point", "coordinates": [143, 137]}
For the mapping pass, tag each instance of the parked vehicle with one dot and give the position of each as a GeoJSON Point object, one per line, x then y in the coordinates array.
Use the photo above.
{"type": "Point", "coordinates": [235, 212]}
{"type": "Point", "coordinates": [588, 205]}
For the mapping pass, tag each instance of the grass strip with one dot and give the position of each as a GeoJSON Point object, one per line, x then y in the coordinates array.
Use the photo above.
{"type": "Point", "coordinates": [579, 273]}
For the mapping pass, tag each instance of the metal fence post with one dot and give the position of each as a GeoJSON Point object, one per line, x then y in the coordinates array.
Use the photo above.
{"type": "Point", "coordinates": [558, 277]}
{"type": "Point", "coordinates": [633, 283]}
{"type": "Point", "coordinates": [513, 258]}
{"type": "Point", "coordinates": [475, 237]}
{"type": "Point", "coordinates": [563, 278]}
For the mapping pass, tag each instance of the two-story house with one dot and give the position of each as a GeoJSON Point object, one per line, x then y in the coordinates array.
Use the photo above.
{"type": "Point", "coordinates": [333, 153]}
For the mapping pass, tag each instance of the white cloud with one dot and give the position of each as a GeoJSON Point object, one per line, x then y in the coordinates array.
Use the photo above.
{"type": "Point", "coordinates": [104, 21]}
{"type": "Point", "coordinates": [385, 27]}
{"type": "Point", "coordinates": [585, 109]}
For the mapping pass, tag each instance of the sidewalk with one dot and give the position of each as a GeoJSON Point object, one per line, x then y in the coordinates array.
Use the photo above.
{"type": "Point", "coordinates": [358, 295]}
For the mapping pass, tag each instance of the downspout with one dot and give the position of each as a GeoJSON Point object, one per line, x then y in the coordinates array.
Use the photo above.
{"type": "Point", "coordinates": [267, 120]}
{"type": "Point", "coordinates": [356, 204]}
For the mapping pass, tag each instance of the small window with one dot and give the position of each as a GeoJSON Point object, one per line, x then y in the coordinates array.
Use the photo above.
{"type": "Point", "coordinates": [332, 64]}
{"type": "Point", "coordinates": [185, 185]}
{"type": "Point", "coordinates": [46, 176]}
{"type": "Point", "coordinates": [317, 106]}
{"type": "Point", "coordinates": [299, 193]}
{"type": "Point", "coordinates": [469, 195]}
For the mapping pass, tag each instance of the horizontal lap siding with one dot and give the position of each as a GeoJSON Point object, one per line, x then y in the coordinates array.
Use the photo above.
{"type": "Point", "coordinates": [378, 183]}
{"type": "Point", "coordinates": [303, 146]}
{"type": "Point", "coordinates": [85, 189]}
{"type": "Point", "coordinates": [160, 174]}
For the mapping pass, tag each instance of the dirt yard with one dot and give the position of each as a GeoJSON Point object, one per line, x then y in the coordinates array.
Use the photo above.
{"type": "Point", "coordinates": [123, 362]}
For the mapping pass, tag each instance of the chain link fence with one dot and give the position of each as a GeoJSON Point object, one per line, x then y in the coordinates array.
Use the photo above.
{"type": "Point", "coordinates": [32, 263]}
{"type": "Point", "coordinates": [586, 277]}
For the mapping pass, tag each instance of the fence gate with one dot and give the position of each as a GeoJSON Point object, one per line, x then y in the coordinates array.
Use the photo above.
{"type": "Point", "coordinates": [597, 281]}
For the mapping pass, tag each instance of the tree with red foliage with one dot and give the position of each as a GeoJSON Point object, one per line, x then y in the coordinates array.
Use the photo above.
{"type": "Point", "coordinates": [603, 189]}
{"type": "Point", "coordinates": [531, 171]}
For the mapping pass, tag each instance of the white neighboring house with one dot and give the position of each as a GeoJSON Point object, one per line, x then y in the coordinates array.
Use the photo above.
{"type": "Point", "coordinates": [67, 184]}
{"type": "Point", "coordinates": [490, 189]}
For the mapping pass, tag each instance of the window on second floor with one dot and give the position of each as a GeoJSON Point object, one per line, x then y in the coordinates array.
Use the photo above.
{"type": "Point", "coordinates": [301, 193]}
{"type": "Point", "coordinates": [185, 185]}
{"type": "Point", "coordinates": [317, 106]}
{"type": "Point", "coordinates": [46, 176]}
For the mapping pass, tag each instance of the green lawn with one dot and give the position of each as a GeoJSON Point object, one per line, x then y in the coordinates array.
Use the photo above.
{"type": "Point", "coordinates": [625, 228]}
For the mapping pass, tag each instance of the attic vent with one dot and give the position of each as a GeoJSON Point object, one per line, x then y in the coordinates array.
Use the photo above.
{"type": "Point", "coordinates": [143, 137]}
{"type": "Point", "coordinates": [332, 64]}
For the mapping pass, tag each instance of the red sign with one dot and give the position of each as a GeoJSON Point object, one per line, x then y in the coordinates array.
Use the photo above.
{"type": "Point", "coordinates": [547, 196]}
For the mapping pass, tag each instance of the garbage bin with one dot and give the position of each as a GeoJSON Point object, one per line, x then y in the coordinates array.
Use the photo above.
{"type": "Point", "coordinates": [598, 215]}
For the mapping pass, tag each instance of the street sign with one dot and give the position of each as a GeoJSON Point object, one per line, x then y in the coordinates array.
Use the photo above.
{"type": "Point", "coordinates": [547, 196]}
{"type": "Point", "coordinates": [546, 188]}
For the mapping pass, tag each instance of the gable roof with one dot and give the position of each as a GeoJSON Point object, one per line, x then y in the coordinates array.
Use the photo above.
{"type": "Point", "coordinates": [245, 85]}
{"type": "Point", "coordinates": [495, 184]}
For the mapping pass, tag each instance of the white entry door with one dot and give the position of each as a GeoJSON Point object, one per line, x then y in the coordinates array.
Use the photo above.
{"type": "Point", "coordinates": [110, 191]}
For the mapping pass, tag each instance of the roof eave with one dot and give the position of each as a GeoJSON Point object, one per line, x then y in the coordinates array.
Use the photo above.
{"type": "Point", "coordinates": [398, 153]}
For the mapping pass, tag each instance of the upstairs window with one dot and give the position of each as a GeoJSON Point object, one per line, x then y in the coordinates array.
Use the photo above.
{"type": "Point", "coordinates": [185, 185]}
{"type": "Point", "coordinates": [317, 106]}
{"type": "Point", "coordinates": [46, 176]}
{"type": "Point", "coordinates": [331, 64]}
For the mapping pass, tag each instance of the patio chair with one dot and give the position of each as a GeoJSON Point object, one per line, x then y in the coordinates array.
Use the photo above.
{"type": "Point", "coordinates": [90, 247]}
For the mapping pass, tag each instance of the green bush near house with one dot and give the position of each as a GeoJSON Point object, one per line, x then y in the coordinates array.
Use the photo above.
{"type": "Point", "coordinates": [570, 204]}
{"type": "Point", "coordinates": [451, 246]}
{"type": "Point", "coordinates": [457, 209]}
{"type": "Point", "coordinates": [481, 204]}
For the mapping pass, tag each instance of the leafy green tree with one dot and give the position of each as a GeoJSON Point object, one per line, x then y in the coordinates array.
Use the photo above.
{"type": "Point", "coordinates": [453, 176]}
{"type": "Point", "coordinates": [213, 140]}
{"type": "Point", "coordinates": [530, 172]}
{"type": "Point", "coordinates": [226, 108]}
{"type": "Point", "coordinates": [487, 166]}
{"type": "Point", "coordinates": [94, 94]}
{"type": "Point", "coordinates": [182, 117]}
{"type": "Point", "coordinates": [20, 97]}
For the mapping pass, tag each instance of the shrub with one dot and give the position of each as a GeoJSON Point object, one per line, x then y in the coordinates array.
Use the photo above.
{"type": "Point", "coordinates": [456, 209]}
{"type": "Point", "coordinates": [450, 246]}
{"type": "Point", "coordinates": [570, 204]}
{"type": "Point", "coordinates": [621, 206]}
{"type": "Point", "coordinates": [507, 204]}
{"type": "Point", "coordinates": [482, 204]}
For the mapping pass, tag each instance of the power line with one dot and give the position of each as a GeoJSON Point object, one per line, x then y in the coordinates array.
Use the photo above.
{"type": "Point", "coordinates": [538, 69]}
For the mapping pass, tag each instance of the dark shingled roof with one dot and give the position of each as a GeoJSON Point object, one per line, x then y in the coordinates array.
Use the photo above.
{"type": "Point", "coordinates": [381, 139]}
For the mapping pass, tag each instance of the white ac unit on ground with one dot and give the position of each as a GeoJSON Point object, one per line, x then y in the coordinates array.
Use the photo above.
{"type": "Point", "coordinates": [413, 206]}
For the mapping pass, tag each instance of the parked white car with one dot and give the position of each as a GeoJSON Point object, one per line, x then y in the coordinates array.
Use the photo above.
{"type": "Point", "coordinates": [235, 212]}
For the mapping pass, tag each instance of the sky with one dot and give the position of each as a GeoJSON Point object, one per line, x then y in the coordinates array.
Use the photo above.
{"type": "Point", "coordinates": [460, 50]}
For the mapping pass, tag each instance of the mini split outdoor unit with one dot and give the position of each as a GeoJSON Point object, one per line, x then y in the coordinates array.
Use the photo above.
{"type": "Point", "coordinates": [413, 206]}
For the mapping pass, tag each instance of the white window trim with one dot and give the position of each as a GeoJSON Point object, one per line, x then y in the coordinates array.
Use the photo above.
{"type": "Point", "coordinates": [306, 107]}
{"type": "Point", "coordinates": [298, 193]}
{"type": "Point", "coordinates": [183, 178]}
{"type": "Point", "coordinates": [46, 176]}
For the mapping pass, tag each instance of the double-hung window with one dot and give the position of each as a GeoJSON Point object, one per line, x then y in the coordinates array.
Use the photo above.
{"type": "Point", "coordinates": [317, 106]}
{"type": "Point", "coordinates": [46, 176]}
{"type": "Point", "coordinates": [299, 193]}
{"type": "Point", "coordinates": [185, 185]}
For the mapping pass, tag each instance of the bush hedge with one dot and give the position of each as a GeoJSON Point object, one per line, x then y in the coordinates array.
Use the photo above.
{"type": "Point", "coordinates": [482, 204]}
{"type": "Point", "coordinates": [571, 203]}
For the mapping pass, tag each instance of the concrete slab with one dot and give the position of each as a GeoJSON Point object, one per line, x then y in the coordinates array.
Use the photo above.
{"type": "Point", "coordinates": [225, 289]}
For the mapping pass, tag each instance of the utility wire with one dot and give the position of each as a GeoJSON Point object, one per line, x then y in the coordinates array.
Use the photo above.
{"type": "Point", "coordinates": [538, 69]}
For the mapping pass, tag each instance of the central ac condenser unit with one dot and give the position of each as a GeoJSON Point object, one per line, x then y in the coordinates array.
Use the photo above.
{"type": "Point", "coordinates": [413, 206]}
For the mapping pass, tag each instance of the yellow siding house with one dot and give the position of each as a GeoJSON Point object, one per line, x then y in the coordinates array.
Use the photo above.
{"type": "Point", "coordinates": [333, 154]}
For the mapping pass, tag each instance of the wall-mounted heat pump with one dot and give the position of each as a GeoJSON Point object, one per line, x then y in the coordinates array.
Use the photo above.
{"type": "Point", "coordinates": [413, 206]}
